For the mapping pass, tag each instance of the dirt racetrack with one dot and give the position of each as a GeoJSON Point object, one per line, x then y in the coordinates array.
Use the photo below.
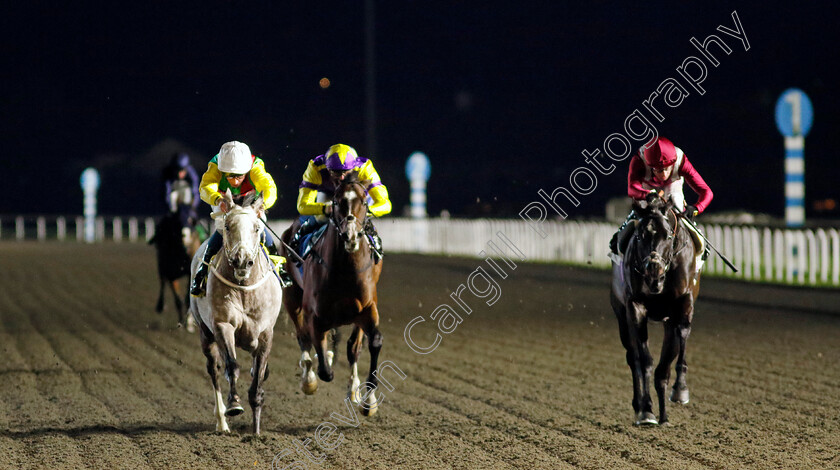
{"type": "Point", "coordinates": [93, 378]}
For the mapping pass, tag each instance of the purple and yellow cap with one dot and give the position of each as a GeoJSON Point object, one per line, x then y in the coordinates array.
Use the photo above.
{"type": "Point", "coordinates": [341, 157]}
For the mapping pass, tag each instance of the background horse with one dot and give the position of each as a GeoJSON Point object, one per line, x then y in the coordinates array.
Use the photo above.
{"type": "Point", "coordinates": [175, 244]}
{"type": "Point", "coordinates": [240, 308]}
{"type": "Point", "coordinates": [338, 287]}
{"type": "Point", "coordinates": [656, 280]}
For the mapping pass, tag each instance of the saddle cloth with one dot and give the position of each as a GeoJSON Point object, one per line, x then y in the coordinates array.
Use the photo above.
{"type": "Point", "coordinates": [308, 242]}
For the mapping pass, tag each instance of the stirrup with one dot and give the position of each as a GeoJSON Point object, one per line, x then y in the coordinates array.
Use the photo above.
{"type": "Point", "coordinates": [285, 278]}
{"type": "Point", "coordinates": [198, 288]}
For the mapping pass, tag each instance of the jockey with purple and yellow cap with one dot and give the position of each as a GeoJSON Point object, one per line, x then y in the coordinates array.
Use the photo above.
{"type": "Point", "coordinates": [323, 174]}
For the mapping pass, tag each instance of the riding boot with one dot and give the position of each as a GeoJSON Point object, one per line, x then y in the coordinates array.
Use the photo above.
{"type": "Point", "coordinates": [375, 241]}
{"type": "Point", "coordinates": [307, 226]}
{"type": "Point", "coordinates": [271, 245]}
{"type": "Point", "coordinates": [198, 287]}
{"type": "Point", "coordinates": [620, 239]}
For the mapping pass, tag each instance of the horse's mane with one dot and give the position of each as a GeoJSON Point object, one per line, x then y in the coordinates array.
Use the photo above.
{"type": "Point", "coordinates": [352, 178]}
{"type": "Point", "coordinates": [657, 207]}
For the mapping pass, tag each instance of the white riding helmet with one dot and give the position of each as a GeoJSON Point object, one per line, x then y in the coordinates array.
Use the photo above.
{"type": "Point", "coordinates": [235, 157]}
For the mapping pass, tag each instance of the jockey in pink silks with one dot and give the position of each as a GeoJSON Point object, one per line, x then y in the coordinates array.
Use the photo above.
{"type": "Point", "coordinates": [660, 169]}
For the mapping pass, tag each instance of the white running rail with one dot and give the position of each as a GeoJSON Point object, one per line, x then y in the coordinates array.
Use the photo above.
{"type": "Point", "coordinates": [802, 256]}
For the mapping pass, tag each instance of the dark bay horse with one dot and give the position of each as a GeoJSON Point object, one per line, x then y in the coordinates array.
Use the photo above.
{"type": "Point", "coordinates": [338, 287]}
{"type": "Point", "coordinates": [240, 308]}
{"type": "Point", "coordinates": [656, 280]}
{"type": "Point", "coordinates": [175, 245]}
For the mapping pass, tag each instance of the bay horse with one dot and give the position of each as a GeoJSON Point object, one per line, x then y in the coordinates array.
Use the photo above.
{"type": "Point", "coordinates": [338, 287]}
{"type": "Point", "coordinates": [657, 279]}
{"type": "Point", "coordinates": [242, 303]}
{"type": "Point", "coordinates": [175, 245]}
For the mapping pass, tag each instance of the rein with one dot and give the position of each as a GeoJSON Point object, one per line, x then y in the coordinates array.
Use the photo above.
{"type": "Point", "coordinates": [237, 286]}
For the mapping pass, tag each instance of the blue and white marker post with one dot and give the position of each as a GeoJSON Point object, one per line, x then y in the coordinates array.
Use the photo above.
{"type": "Point", "coordinates": [794, 117]}
{"type": "Point", "coordinates": [90, 184]}
{"type": "Point", "coordinates": [417, 170]}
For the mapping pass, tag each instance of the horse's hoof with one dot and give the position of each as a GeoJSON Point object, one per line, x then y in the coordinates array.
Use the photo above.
{"type": "Point", "coordinates": [190, 325]}
{"type": "Point", "coordinates": [679, 396]}
{"type": "Point", "coordinates": [369, 411]}
{"type": "Point", "coordinates": [324, 375]}
{"type": "Point", "coordinates": [234, 409]}
{"type": "Point", "coordinates": [309, 383]}
{"type": "Point", "coordinates": [371, 404]}
{"type": "Point", "coordinates": [645, 418]}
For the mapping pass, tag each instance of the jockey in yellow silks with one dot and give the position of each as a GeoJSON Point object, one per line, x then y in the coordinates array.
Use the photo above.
{"type": "Point", "coordinates": [234, 168]}
{"type": "Point", "coordinates": [323, 174]}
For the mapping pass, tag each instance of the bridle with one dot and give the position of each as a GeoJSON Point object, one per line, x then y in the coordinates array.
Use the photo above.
{"type": "Point", "coordinates": [350, 218]}
{"type": "Point", "coordinates": [654, 256]}
{"type": "Point", "coordinates": [252, 253]}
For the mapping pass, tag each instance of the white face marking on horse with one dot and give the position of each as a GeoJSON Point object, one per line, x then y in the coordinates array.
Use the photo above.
{"type": "Point", "coordinates": [350, 195]}
{"type": "Point", "coordinates": [242, 241]}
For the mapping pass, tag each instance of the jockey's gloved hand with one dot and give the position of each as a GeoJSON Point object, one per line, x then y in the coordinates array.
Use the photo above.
{"type": "Point", "coordinates": [690, 212]}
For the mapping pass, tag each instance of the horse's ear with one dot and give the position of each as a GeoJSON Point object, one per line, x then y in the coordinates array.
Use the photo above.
{"type": "Point", "coordinates": [248, 200]}
{"type": "Point", "coordinates": [258, 206]}
{"type": "Point", "coordinates": [640, 206]}
{"type": "Point", "coordinates": [228, 197]}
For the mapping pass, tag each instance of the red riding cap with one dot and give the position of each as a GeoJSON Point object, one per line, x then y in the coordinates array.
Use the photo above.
{"type": "Point", "coordinates": [661, 154]}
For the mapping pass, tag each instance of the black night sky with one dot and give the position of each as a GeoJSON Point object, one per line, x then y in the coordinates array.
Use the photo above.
{"type": "Point", "coordinates": [502, 96]}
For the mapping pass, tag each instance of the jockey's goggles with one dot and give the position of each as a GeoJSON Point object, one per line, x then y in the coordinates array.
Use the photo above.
{"type": "Point", "coordinates": [234, 175]}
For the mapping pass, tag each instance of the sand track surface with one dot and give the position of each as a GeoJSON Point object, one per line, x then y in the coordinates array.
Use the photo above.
{"type": "Point", "coordinates": [93, 378]}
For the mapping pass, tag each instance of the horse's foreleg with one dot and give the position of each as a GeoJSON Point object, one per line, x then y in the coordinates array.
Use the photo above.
{"type": "Point", "coordinates": [662, 374]}
{"type": "Point", "coordinates": [370, 402]}
{"type": "Point", "coordinates": [190, 320]}
{"type": "Point", "coordinates": [679, 393]}
{"type": "Point", "coordinates": [159, 305]}
{"type": "Point", "coordinates": [259, 374]}
{"type": "Point", "coordinates": [214, 368]}
{"type": "Point", "coordinates": [319, 337]}
{"type": "Point", "coordinates": [308, 380]}
{"type": "Point", "coordinates": [179, 306]}
{"type": "Point", "coordinates": [642, 364]}
{"type": "Point", "coordinates": [227, 343]}
{"type": "Point", "coordinates": [354, 347]}
{"type": "Point", "coordinates": [629, 351]}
